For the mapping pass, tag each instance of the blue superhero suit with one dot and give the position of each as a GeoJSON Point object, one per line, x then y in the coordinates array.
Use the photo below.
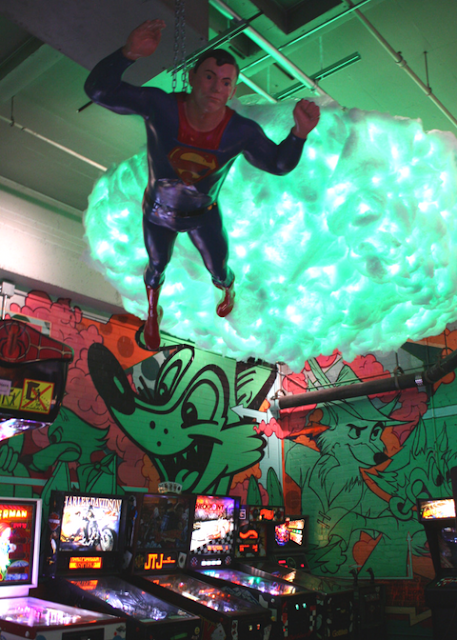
{"type": "Point", "coordinates": [186, 168]}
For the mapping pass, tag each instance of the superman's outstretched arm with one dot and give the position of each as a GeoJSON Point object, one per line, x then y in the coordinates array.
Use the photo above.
{"type": "Point", "coordinates": [280, 159]}
{"type": "Point", "coordinates": [104, 85]}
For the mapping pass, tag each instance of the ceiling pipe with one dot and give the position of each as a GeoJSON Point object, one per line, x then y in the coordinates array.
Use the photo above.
{"type": "Point", "coordinates": [263, 43]}
{"type": "Point", "coordinates": [70, 152]}
{"type": "Point", "coordinates": [309, 33]}
{"type": "Point", "coordinates": [396, 55]}
{"type": "Point", "coordinates": [381, 385]}
{"type": "Point", "coordinates": [324, 73]}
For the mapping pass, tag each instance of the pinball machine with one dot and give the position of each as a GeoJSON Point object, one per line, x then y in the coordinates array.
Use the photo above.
{"type": "Point", "coordinates": [160, 554]}
{"type": "Point", "coordinates": [350, 607]}
{"type": "Point", "coordinates": [293, 610]}
{"type": "Point", "coordinates": [86, 545]}
{"type": "Point", "coordinates": [23, 615]}
{"type": "Point", "coordinates": [282, 556]}
{"type": "Point", "coordinates": [438, 517]}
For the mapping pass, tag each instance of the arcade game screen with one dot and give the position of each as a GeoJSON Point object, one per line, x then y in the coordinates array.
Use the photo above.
{"type": "Point", "coordinates": [85, 533]}
{"type": "Point", "coordinates": [17, 541]}
{"type": "Point", "coordinates": [292, 533]}
{"type": "Point", "coordinates": [90, 523]}
{"type": "Point", "coordinates": [164, 522]}
{"type": "Point", "coordinates": [214, 530]}
{"type": "Point", "coordinates": [162, 533]}
{"type": "Point", "coordinates": [435, 509]}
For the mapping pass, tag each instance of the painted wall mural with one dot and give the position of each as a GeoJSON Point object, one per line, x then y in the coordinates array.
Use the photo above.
{"type": "Point", "coordinates": [131, 419]}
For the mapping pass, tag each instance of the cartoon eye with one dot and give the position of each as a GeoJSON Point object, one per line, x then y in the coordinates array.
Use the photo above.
{"type": "Point", "coordinates": [377, 430]}
{"type": "Point", "coordinates": [189, 413]}
{"type": "Point", "coordinates": [355, 432]}
{"type": "Point", "coordinates": [201, 404]}
{"type": "Point", "coordinates": [171, 375]}
{"type": "Point", "coordinates": [166, 382]}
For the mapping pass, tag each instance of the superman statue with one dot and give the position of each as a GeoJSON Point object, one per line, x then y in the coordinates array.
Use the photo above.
{"type": "Point", "coordinates": [192, 141]}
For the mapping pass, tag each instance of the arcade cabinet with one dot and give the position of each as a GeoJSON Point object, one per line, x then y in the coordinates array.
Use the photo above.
{"type": "Point", "coordinates": [439, 520]}
{"type": "Point", "coordinates": [23, 616]}
{"type": "Point", "coordinates": [159, 559]}
{"type": "Point", "coordinates": [285, 561]}
{"type": "Point", "coordinates": [33, 374]}
{"type": "Point", "coordinates": [85, 550]}
{"type": "Point", "coordinates": [212, 548]}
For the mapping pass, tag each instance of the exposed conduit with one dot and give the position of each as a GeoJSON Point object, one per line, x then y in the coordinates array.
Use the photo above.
{"type": "Point", "coordinates": [405, 381]}
{"type": "Point", "coordinates": [401, 62]}
{"type": "Point", "coordinates": [13, 123]}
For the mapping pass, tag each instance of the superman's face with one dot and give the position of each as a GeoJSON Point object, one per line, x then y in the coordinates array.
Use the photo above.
{"type": "Point", "coordinates": [212, 85]}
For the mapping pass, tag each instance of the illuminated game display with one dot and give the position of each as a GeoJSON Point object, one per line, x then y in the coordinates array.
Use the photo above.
{"type": "Point", "coordinates": [251, 540]}
{"type": "Point", "coordinates": [32, 617]}
{"type": "Point", "coordinates": [223, 615]}
{"type": "Point", "coordinates": [292, 611]}
{"type": "Point", "coordinates": [436, 509]}
{"type": "Point", "coordinates": [90, 523]}
{"type": "Point", "coordinates": [19, 545]}
{"type": "Point", "coordinates": [269, 514]}
{"type": "Point", "coordinates": [162, 533]}
{"type": "Point", "coordinates": [85, 532]}
{"type": "Point", "coordinates": [214, 531]}
{"type": "Point", "coordinates": [329, 603]}
{"type": "Point", "coordinates": [287, 542]}
{"type": "Point", "coordinates": [291, 532]}
{"type": "Point", "coordinates": [22, 616]}
{"type": "Point", "coordinates": [87, 547]}
{"type": "Point", "coordinates": [161, 553]}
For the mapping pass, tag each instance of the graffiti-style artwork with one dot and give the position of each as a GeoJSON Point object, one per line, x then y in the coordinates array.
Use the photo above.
{"type": "Point", "coordinates": [132, 419]}
{"type": "Point", "coordinates": [360, 466]}
{"type": "Point", "coordinates": [183, 417]}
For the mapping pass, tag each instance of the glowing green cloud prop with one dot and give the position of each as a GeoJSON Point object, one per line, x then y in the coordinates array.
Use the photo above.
{"type": "Point", "coordinates": [356, 249]}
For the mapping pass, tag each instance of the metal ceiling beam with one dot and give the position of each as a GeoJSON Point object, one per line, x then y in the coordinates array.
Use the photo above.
{"type": "Point", "coordinates": [272, 51]}
{"type": "Point", "coordinates": [324, 73]}
{"type": "Point", "coordinates": [309, 33]}
{"type": "Point", "coordinates": [398, 58]}
{"type": "Point", "coordinates": [255, 87]}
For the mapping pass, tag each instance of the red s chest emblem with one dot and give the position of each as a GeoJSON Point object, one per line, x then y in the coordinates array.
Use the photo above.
{"type": "Point", "coordinates": [196, 160]}
{"type": "Point", "coordinates": [192, 165]}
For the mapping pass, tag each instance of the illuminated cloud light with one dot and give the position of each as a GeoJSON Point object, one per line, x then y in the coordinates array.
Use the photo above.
{"type": "Point", "coordinates": [360, 240]}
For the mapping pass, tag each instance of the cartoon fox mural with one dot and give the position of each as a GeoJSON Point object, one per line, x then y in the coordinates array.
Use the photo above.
{"type": "Point", "coordinates": [333, 488]}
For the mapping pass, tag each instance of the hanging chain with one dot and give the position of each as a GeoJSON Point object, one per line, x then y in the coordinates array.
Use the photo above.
{"type": "Point", "coordinates": [179, 46]}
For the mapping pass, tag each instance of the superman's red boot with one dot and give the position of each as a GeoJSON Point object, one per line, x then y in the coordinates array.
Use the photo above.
{"type": "Point", "coordinates": [227, 303]}
{"type": "Point", "coordinates": [151, 334]}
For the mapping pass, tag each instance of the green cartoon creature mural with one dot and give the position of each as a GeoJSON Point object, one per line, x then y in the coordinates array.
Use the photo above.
{"type": "Point", "coordinates": [186, 414]}
{"type": "Point", "coordinates": [74, 455]}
